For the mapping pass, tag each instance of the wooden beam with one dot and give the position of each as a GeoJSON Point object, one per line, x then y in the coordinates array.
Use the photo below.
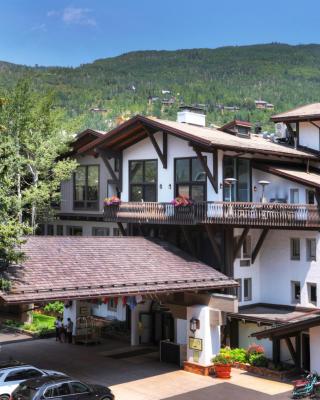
{"type": "Point", "coordinates": [189, 241]}
{"type": "Point", "coordinates": [240, 242]}
{"type": "Point", "coordinates": [115, 178]}
{"type": "Point", "coordinates": [276, 351]}
{"type": "Point", "coordinates": [214, 244]}
{"type": "Point", "coordinates": [121, 229]}
{"type": "Point", "coordinates": [291, 350]}
{"type": "Point", "coordinates": [163, 155]}
{"type": "Point", "coordinates": [204, 164]}
{"type": "Point", "coordinates": [298, 349]}
{"type": "Point", "coordinates": [259, 244]}
{"type": "Point", "coordinates": [215, 169]}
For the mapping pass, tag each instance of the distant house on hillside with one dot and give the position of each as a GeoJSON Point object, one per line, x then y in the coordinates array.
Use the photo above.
{"type": "Point", "coordinates": [263, 105]}
{"type": "Point", "coordinates": [238, 128]}
{"type": "Point", "coordinates": [98, 110]}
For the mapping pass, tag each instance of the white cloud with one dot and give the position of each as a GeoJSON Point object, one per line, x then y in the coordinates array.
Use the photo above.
{"type": "Point", "coordinates": [53, 13]}
{"type": "Point", "coordinates": [39, 28]}
{"type": "Point", "coordinates": [78, 16]}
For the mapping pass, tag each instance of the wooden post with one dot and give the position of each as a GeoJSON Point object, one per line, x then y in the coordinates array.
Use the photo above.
{"type": "Point", "coordinates": [276, 351]}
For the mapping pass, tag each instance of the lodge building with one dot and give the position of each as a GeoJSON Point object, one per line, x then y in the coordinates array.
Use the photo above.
{"type": "Point", "coordinates": [253, 218]}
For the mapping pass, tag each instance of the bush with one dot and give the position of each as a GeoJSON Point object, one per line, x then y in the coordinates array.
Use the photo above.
{"type": "Point", "coordinates": [224, 357]}
{"type": "Point", "coordinates": [239, 355]}
{"type": "Point", "coordinates": [55, 308]}
{"type": "Point", "coordinates": [258, 360]}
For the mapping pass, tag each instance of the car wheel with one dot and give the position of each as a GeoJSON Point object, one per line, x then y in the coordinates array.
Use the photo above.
{"type": "Point", "coordinates": [106, 398]}
{"type": "Point", "coordinates": [4, 397]}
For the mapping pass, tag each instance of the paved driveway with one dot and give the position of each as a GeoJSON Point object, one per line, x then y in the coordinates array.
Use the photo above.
{"type": "Point", "coordinates": [139, 376]}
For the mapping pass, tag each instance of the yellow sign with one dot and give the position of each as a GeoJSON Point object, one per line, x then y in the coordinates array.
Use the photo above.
{"type": "Point", "coordinates": [195, 344]}
{"type": "Point", "coordinates": [196, 356]}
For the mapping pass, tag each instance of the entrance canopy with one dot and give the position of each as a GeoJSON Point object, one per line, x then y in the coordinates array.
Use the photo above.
{"type": "Point", "coordinates": [64, 267]}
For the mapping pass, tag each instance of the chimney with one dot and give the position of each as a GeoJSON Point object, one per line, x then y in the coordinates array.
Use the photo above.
{"type": "Point", "coordinates": [192, 115]}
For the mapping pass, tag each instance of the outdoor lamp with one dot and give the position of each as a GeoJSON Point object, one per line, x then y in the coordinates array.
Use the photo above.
{"type": "Point", "coordinates": [229, 182]}
{"type": "Point", "coordinates": [194, 324]}
{"type": "Point", "coordinates": [263, 184]}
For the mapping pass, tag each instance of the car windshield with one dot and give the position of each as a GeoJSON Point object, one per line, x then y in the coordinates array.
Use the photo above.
{"type": "Point", "coordinates": [23, 392]}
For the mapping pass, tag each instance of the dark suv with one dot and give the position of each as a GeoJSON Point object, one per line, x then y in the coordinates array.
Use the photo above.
{"type": "Point", "coordinates": [62, 388]}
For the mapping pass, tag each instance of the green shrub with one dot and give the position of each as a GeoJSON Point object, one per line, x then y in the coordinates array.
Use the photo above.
{"type": "Point", "coordinates": [239, 355]}
{"type": "Point", "coordinates": [258, 360]}
{"type": "Point", "coordinates": [55, 307]}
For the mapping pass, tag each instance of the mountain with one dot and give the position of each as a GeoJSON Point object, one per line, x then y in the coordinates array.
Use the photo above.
{"type": "Point", "coordinates": [284, 75]}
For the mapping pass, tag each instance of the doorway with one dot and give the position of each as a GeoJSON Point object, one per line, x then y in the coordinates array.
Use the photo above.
{"type": "Point", "coordinates": [305, 349]}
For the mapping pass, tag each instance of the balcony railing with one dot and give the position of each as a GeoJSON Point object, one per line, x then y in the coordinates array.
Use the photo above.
{"type": "Point", "coordinates": [223, 213]}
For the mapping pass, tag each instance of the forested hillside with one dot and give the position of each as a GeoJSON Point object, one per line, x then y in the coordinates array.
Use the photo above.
{"type": "Point", "coordinates": [283, 75]}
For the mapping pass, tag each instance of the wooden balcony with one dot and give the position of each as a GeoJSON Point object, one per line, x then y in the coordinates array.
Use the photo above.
{"type": "Point", "coordinates": [264, 215]}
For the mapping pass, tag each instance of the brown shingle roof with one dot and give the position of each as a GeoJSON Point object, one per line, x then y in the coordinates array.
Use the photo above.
{"type": "Point", "coordinates": [135, 129]}
{"type": "Point", "coordinates": [81, 267]}
{"type": "Point", "coordinates": [307, 112]}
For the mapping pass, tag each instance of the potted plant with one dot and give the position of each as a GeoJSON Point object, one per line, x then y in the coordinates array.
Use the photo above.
{"type": "Point", "coordinates": [112, 201]}
{"type": "Point", "coordinates": [181, 201]}
{"type": "Point", "coordinates": [222, 365]}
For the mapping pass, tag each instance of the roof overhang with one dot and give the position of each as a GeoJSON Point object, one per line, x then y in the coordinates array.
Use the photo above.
{"type": "Point", "coordinates": [62, 268]}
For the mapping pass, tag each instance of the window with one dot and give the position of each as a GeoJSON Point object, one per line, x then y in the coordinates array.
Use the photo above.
{"type": "Point", "coordinates": [62, 389]}
{"type": "Point", "coordinates": [24, 392]}
{"type": "Point", "coordinates": [295, 248]}
{"type": "Point", "coordinates": [116, 232]}
{"type": "Point", "coordinates": [23, 374]}
{"type": "Point", "coordinates": [40, 231]}
{"type": "Point", "coordinates": [59, 230]}
{"type": "Point", "coordinates": [312, 293]}
{"type": "Point", "coordinates": [239, 290]}
{"type": "Point", "coordinates": [74, 230]}
{"type": "Point", "coordinates": [247, 289]}
{"type": "Point", "coordinates": [311, 247]}
{"type": "Point", "coordinates": [112, 304]}
{"type": "Point", "coordinates": [143, 180]}
{"type": "Point", "coordinates": [246, 248]}
{"type": "Point", "coordinates": [295, 292]}
{"type": "Point", "coordinates": [190, 179]}
{"type": "Point", "coordinates": [86, 187]}
{"type": "Point", "coordinates": [79, 388]}
{"type": "Point", "coordinates": [239, 169]}
{"type": "Point", "coordinates": [50, 230]}
{"type": "Point", "coordinates": [294, 196]}
{"type": "Point", "coordinates": [100, 231]}
{"type": "Point", "coordinates": [310, 196]}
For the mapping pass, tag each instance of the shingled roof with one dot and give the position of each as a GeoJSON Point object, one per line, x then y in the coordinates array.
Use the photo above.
{"type": "Point", "coordinates": [304, 113]}
{"type": "Point", "coordinates": [137, 128]}
{"type": "Point", "coordinates": [89, 267]}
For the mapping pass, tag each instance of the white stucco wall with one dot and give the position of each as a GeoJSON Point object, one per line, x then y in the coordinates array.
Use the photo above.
{"type": "Point", "coordinates": [309, 135]}
{"type": "Point", "coordinates": [315, 349]}
{"type": "Point", "coordinates": [245, 330]}
{"type": "Point", "coordinates": [102, 310]}
{"type": "Point", "coordinates": [277, 270]}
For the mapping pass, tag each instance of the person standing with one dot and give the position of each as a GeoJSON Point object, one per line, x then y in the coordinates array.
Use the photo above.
{"type": "Point", "coordinates": [58, 326]}
{"type": "Point", "coordinates": [69, 330]}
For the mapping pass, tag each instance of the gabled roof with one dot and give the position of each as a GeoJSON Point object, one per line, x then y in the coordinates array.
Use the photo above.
{"type": "Point", "coordinates": [236, 122]}
{"type": "Point", "coordinates": [304, 113]}
{"type": "Point", "coordinates": [136, 128]}
{"type": "Point", "coordinates": [85, 137]}
{"type": "Point", "coordinates": [70, 267]}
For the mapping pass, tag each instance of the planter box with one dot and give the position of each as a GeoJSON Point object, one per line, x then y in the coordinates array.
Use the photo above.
{"type": "Point", "coordinates": [262, 371]}
{"type": "Point", "coordinates": [199, 369]}
{"type": "Point", "coordinates": [223, 371]}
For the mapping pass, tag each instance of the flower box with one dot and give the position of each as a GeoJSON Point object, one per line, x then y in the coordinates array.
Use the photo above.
{"type": "Point", "coordinates": [222, 371]}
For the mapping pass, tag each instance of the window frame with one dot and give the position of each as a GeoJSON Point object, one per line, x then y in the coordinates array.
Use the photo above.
{"type": "Point", "coordinates": [309, 256]}
{"type": "Point", "coordinates": [224, 192]}
{"type": "Point", "coordinates": [239, 290]}
{"type": "Point", "coordinates": [68, 227]}
{"type": "Point", "coordinates": [295, 300]}
{"type": "Point", "coordinates": [86, 201]}
{"type": "Point", "coordinates": [189, 183]}
{"type": "Point", "coordinates": [292, 256]}
{"type": "Point", "coordinates": [311, 285]}
{"type": "Point", "coordinates": [293, 190]}
{"type": "Point", "coordinates": [106, 228]}
{"type": "Point", "coordinates": [249, 297]}
{"type": "Point", "coordinates": [143, 184]}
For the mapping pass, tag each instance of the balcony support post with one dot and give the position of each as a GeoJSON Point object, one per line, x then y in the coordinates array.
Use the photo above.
{"type": "Point", "coordinates": [189, 241]}
{"type": "Point", "coordinates": [240, 242]}
{"type": "Point", "coordinates": [228, 252]}
{"type": "Point", "coordinates": [259, 244]}
{"type": "Point", "coordinates": [214, 244]}
{"type": "Point", "coordinates": [213, 178]}
{"type": "Point", "coordinates": [163, 155]}
{"type": "Point", "coordinates": [121, 229]}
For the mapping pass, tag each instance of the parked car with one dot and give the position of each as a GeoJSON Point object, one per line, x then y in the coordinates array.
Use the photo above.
{"type": "Point", "coordinates": [56, 387]}
{"type": "Point", "coordinates": [12, 373]}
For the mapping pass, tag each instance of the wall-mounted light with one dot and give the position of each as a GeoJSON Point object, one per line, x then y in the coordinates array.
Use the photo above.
{"type": "Point", "coordinates": [160, 185]}
{"type": "Point", "coordinates": [221, 185]}
{"type": "Point", "coordinates": [194, 324]}
{"type": "Point", "coordinates": [169, 186]}
{"type": "Point", "coordinates": [254, 188]}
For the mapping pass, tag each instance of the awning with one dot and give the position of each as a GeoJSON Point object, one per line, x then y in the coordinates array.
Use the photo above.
{"type": "Point", "coordinates": [66, 267]}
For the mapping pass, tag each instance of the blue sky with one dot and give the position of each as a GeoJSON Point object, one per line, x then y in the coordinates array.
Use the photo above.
{"type": "Point", "coordinates": [60, 32]}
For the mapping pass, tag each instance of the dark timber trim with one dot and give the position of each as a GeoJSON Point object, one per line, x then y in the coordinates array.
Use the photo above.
{"type": "Point", "coordinates": [214, 244]}
{"type": "Point", "coordinates": [259, 244]}
{"type": "Point", "coordinates": [203, 161]}
{"type": "Point", "coordinates": [105, 158]}
{"type": "Point", "coordinates": [240, 242]}
{"type": "Point", "coordinates": [276, 351]}
{"type": "Point", "coordinates": [121, 229]}
{"type": "Point", "coordinates": [189, 241]}
{"type": "Point", "coordinates": [163, 155]}
{"type": "Point", "coordinates": [293, 353]}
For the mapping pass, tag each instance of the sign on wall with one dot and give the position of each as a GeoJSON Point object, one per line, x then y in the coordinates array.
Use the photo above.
{"type": "Point", "coordinates": [195, 344]}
